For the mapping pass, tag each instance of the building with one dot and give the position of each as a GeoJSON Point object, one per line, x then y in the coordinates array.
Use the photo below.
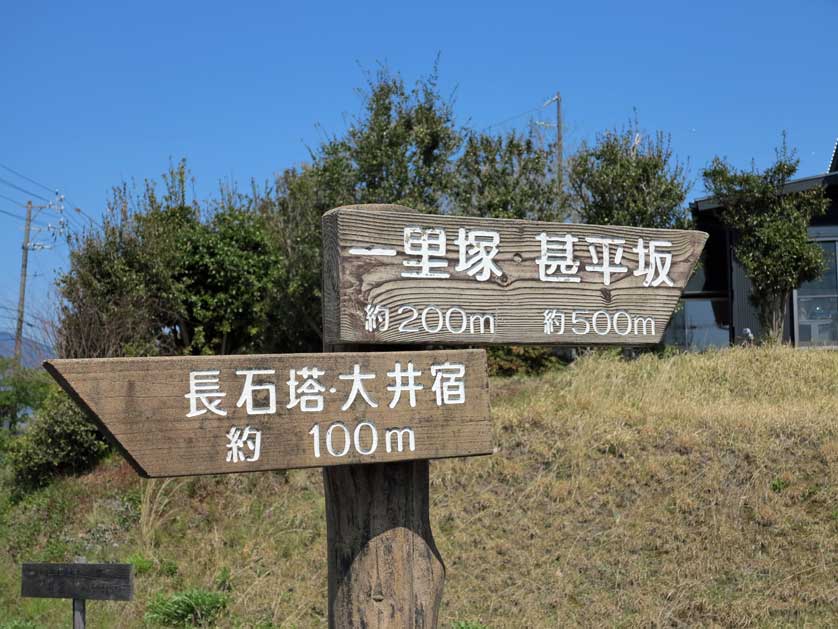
{"type": "Point", "coordinates": [716, 309]}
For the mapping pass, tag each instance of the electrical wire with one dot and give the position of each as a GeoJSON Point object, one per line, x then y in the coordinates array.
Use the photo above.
{"type": "Point", "coordinates": [85, 214]}
{"type": "Point", "coordinates": [3, 196]}
{"type": "Point", "coordinates": [13, 215]}
{"type": "Point", "coordinates": [23, 190]}
{"type": "Point", "coordinates": [45, 187]}
{"type": "Point", "coordinates": [29, 179]}
{"type": "Point", "coordinates": [515, 117]}
{"type": "Point", "coordinates": [523, 113]}
{"type": "Point", "coordinates": [22, 218]}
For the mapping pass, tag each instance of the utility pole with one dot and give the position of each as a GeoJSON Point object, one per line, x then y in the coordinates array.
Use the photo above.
{"type": "Point", "coordinates": [559, 144]}
{"type": "Point", "coordinates": [24, 263]}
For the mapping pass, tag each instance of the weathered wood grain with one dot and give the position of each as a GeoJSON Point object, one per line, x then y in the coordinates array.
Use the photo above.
{"type": "Point", "coordinates": [516, 300]}
{"type": "Point", "coordinates": [384, 568]}
{"type": "Point", "coordinates": [92, 581]}
{"type": "Point", "coordinates": [142, 404]}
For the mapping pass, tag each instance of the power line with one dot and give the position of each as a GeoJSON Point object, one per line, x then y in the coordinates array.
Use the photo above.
{"type": "Point", "coordinates": [3, 196]}
{"type": "Point", "coordinates": [548, 102]}
{"type": "Point", "coordinates": [23, 190]}
{"type": "Point", "coordinates": [13, 215]}
{"type": "Point", "coordinates": [83, 213]}
{"type": "Point", "coordinates": [45, 187]}
{"type": "Point", "coordinates": [70, 219]}
{"type": "Point", "coordinates": [21, 218]}
{"type": "Point", "coordinates": [29, 179]}
{"type": "Point", "coordinates": [50, 189]}
{"type": "Point", "coordinates": [28, 321]}
{"type": "Point", "coordinates": [516, 116]}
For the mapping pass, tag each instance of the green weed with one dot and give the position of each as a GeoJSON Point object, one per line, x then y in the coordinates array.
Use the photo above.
{"type": "Point", "coordinates": [142, 565]}
{"type": "Point", "coordinates": [196, 607]}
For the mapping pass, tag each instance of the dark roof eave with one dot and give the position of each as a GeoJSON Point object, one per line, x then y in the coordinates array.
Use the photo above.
{"type": "Point", "coordinates": [796, 185]}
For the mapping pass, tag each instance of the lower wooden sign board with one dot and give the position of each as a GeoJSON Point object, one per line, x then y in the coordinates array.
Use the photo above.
{"type": "Point", "coordinates": [86, 581]}
{"type": "Point", "coordinates": [217, 414]}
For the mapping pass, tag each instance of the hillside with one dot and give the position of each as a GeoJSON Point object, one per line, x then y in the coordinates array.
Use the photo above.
{"type": "Point", "coordinates": [677, 491]}
{"type": "Point", "coordinates": [33, 352]}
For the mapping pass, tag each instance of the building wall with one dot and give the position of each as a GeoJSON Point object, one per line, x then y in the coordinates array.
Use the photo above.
{"type": "Point", "coordinates": [743, 314]}
{"type": "Point", "coordinates": [730, 281]}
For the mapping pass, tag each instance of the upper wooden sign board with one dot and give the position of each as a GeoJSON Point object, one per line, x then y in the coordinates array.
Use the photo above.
{"type": "Point", "coordinates": [398, 276]}
{"type": "Point", "coordinates": [219, 414]}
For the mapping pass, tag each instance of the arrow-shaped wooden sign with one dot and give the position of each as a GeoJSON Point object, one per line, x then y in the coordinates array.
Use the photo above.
{"type": "Point", "coordinates": [219, 414]}
{"type": "Point", "coordinates": [402, 277]}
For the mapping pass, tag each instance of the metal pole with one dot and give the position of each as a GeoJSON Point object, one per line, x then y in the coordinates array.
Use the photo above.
{"type": "Point", "coordinates": [22, 295]}
{"type": "Point", "coordinates": [78, 613]}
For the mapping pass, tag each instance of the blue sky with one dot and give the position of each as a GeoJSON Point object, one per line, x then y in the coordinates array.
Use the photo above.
{"type": "Point", "coordinates": [94, 93]}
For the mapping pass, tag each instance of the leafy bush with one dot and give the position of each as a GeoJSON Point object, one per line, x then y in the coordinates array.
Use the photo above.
{"type": "Point", "coordinates": [61, 440]}
{"type": "Point", "coordinates": [508, 360]}
{"type": "Point", "coordinates": [22, 391]}
{"type": "Point", "coordinates": [195, 607]}
{"type": "Point", "coordinates": [629, 177]}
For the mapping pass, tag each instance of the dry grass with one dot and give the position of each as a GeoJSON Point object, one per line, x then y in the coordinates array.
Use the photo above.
{"type": "Point", "coordinates": [694, 490]}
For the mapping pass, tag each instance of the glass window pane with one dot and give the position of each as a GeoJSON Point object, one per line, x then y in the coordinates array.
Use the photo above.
{"type": "Point", "coordinates": [707, 323]}
{"type": "Point", "coordinates": [699, 324]}
{"type": "Point", "coordinates": [827, 283]}
{"type": "Point", "coordinates": [817, 321]}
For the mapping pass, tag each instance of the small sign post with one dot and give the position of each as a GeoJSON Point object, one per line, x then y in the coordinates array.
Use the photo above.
{"type": "Point", "coordinates": [78, 581]}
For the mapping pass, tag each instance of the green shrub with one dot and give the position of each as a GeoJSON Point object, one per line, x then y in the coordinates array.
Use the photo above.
{"type": "Point", "coordinates": [60, 440]}
{"type": "Point", "coordinates": [22, 391]}
{"type": "Point", "coordinates": [467, 624]}
{"type": "Point", "coordinates": [195, 607]}
{"type": "Point", "coordinates": [510, 360]}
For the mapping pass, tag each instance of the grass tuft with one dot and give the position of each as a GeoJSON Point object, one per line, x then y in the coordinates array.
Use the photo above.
{"type": "Point", "coordinates": [193, 607]}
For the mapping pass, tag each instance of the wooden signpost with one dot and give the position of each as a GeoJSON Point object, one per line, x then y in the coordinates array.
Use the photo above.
{"type": "Point", "coordinates": [78, 581]}
{"type": "Point", "coordinates": [400, 277]}
{"type": "Point", "coordinates": [396, 277]}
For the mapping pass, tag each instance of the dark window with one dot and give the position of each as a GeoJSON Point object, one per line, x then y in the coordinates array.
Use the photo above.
{"type": "Point", "coordinates": [699, 324]}
{"type": "Point", "coordinates": [711, 273]}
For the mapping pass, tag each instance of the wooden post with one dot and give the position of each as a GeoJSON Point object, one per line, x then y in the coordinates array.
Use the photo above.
{"type": "Point", "coordinates": [78, 613]}
{"type": "Point", "coordinates": [384, 567]}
